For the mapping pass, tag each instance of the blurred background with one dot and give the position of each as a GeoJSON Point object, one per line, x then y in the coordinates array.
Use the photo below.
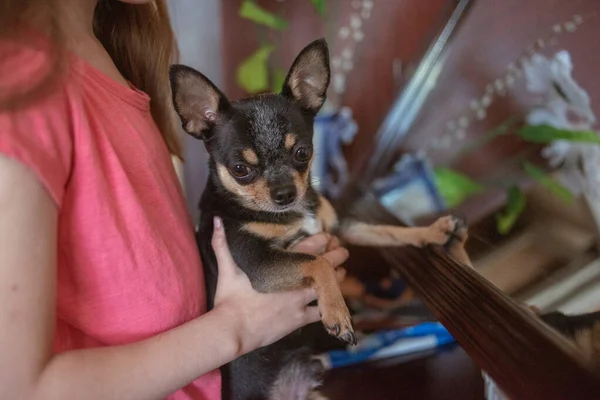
{"type": "Point", "coordinates": [484, 109]}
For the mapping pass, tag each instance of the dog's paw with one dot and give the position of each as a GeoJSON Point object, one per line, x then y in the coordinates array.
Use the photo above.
{"type": "Point", "coordinates": [440, 231]}
{"type": "Point", "coordinates": [337, 321]}
{"type": "Point", "coordinates": [446, 231]}
{"type": "Point", "coordinates": [460, 233]}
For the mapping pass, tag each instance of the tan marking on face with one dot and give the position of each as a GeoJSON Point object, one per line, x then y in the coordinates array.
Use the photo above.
{"type": "Point", "coordinates": [255, 196]}
{"type": "Point", "coordinates": [301, 183]}
{"type": "Point", "coordinates": [280, 232]}
{"type": "Point", "coordinates": [302, 180]}
{"type": "Point", "coordinates": [326, 214]}
{"type": "Point", "coordinates": [290, 141]}
{"type": "Point", "coordinates": [250, 156]}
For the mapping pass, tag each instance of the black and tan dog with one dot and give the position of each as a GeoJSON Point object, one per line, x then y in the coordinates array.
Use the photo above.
{"type": "Point", "coordinates": [259, 183]}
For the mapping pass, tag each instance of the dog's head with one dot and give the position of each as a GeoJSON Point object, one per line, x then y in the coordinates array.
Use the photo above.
{"type": "Point", "coordinates": [262, 145]}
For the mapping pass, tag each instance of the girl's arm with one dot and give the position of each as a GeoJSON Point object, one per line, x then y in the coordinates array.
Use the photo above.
{"type": "Point", "coordinates": [149, 369]}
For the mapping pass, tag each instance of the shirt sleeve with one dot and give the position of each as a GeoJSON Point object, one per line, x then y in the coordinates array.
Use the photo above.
{"type": "Point", "coordinates": [40, 137]}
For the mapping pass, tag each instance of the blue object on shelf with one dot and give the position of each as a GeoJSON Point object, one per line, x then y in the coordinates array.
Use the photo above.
{"type": "Point", "coordinates": [387, 344]}
{"type": "Point", "coordinates": [409, 191]}
{"type": "Point", "coordinates": [332, 130]}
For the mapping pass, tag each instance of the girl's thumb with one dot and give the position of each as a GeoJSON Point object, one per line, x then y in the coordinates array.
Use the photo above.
{"type": "Point", "coordinates": [225, 261]}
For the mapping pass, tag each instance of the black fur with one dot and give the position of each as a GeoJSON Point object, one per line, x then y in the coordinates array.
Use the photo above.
{"type": "Point", "coordinates": [569, 325]}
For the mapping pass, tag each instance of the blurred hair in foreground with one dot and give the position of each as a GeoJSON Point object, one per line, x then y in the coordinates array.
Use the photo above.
{"type": "Point", "coordinates": [138, 38]}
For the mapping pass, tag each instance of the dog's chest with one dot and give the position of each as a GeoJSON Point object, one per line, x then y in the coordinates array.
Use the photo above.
{"type": "Point", "coordinates": [311, 225]}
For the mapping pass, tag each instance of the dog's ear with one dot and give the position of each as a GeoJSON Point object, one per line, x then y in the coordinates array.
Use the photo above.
{"type": "Point", "coordinates": [198, 102]}
{"type": "Point", "coordinates": [308, 78]}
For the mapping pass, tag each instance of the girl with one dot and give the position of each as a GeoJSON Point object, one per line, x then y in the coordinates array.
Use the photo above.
{"type": "Point", "coordinates": [101, 287]}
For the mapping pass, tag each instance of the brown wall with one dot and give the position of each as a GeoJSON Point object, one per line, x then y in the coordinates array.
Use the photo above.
{"type": "Point", "coordinates": [494, 34]}
{"type": "Point", "coordinates": [397, 30]}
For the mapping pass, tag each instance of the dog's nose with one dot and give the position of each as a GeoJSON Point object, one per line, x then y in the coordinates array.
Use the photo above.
{"type": "Point", "coordinates": [284, 195]}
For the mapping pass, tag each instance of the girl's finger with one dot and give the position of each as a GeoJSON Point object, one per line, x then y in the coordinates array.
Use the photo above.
{"type": "Point", "coordinates": [311, 314]}
{"type": "Point", "coordinates": [315, 244]}
{"type": "Point", "coordinates": [337, 257]}
{"type": "Point", "coordinates": [333, 244]}
{"type": "Point", "coordinates": [225, 261]}
{"type": "Point", "coordinates": [340, 274]}
{"type": "Point", "coordinates": [307, 296]}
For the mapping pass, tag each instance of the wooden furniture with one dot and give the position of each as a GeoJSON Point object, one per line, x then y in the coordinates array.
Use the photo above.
{"type": "Point", "coordinates": [527, 359]}
{"type": "Point", "coordinates": [447, 374]}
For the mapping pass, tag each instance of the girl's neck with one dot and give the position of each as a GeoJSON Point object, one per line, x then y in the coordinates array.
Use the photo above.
{"type": "Point", "coordinates": [77, 24]}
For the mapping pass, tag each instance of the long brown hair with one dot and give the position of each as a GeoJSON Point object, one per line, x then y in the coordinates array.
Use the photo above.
{"type": "Point", "coordinates": [138, 37]}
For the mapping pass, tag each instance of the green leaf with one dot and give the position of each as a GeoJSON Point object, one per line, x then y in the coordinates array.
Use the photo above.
{"type": "Point", "coordinates": [548, 182]}
{"type": "Point", "coordinates": [320, 6]}
{"type": "Point", "coordinates": [514, 207]}
{"type": "Point", "coordinates": [454, 187]}
{"type": "Point", "coordinates": [252, 75]}
{"type": "Point", "coordinates": [278, 79]}
{"type": "Point", "coordinates": [252, 11]}
{"type": "Point", "coordinates": [546, 134]}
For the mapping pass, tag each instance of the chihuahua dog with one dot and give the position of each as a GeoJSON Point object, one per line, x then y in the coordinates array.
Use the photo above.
{"type": "Point", "coordinates": [260, 185]}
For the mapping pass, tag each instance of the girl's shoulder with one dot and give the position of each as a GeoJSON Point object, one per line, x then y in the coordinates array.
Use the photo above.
{"type": "Point", "coordinates": [37, 91]}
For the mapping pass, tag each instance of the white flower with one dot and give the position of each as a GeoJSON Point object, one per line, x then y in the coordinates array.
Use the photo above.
{"type": "Point", "coordinates": [565, 105]}
{"type": "Point", "coordinates": [579, 164]}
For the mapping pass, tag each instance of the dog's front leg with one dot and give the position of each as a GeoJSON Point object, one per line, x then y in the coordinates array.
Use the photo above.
{"type": "Point", "coordinates": [271, 269]}
{"type": "Point", "coordinates": [448, 231]}
{"type": "Point", "coordinates": [320, 275]}
{"type": "Point", "coordinates": [285, 270]}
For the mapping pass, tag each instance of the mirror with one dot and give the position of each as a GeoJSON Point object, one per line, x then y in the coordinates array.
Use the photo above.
{"type": "Point", "coordinates": [499, 126]}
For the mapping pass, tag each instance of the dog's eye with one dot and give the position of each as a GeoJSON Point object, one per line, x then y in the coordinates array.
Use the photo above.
{"type": "Point", "coordinates": [240, 171]}
{"type": "Point", "coordinates": [303, 154]}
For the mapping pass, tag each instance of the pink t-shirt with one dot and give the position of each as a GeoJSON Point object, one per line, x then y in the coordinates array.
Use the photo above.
{"type": "Point", "coordinates": [128, 266]}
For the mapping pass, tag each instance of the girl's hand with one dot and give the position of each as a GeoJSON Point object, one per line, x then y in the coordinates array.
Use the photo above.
{"type": "Point", "coordinates": [319, 244]}
{"type": "Point", "coordinates": [260, 319]}
{"type": "Point", "coordinates": [323, 244]}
